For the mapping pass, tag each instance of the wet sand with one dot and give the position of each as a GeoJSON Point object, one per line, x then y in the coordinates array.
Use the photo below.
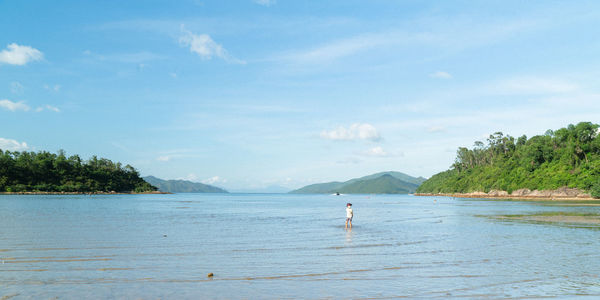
{"type": "Point", "coordinates": [567, 218]}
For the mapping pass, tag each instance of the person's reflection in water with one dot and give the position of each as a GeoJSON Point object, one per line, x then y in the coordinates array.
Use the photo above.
{"type": "Point", "coordinates": [349, 236]}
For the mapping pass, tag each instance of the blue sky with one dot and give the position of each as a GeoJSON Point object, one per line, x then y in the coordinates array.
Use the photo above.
{"type": "Point", "coordinates": [249, 94]}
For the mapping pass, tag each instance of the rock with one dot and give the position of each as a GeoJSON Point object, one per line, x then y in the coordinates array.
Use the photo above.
{"type": "Point", "coordinates": [478, 194]}
{"type": "Point", "coordinates": [497, 193]}
{"type": "Point", "coordinates": [521, 192]}
{"type": "Point", "coordinates": [542, 193]}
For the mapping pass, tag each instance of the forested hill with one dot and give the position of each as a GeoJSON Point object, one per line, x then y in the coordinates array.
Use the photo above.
{"type": "Point", "coordinates": [49, 172]}
{"type": "Point", "coordinates": [379, 183]}
{"type": "Point", "coordinates": [182, 186]}
{"type": "Point", "coordinates": [566, 157]}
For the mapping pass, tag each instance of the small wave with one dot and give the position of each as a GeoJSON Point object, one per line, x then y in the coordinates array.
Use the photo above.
{"type": "Point", "coordinates": [359, 246]}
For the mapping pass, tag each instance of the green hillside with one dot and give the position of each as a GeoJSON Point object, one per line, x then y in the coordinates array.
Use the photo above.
{"type": "Point", "coordinates": [379, 183]}
{"type": "Point", "coordinates": [54, 173]}
{"type": "Point", "coordinates": [384, 184]}
{"type": "Point", "coordinates": [566, 157]}
{"type": "Point", "coordinates": [182, 186]}
{"type": "Point", "coordinates": [319, 188]}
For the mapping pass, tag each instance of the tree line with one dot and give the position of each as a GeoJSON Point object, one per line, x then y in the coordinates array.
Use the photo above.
{"type": "Point", "coordinates": [48, 172]}
{"type": "Point", "coordinates": [569, 157]}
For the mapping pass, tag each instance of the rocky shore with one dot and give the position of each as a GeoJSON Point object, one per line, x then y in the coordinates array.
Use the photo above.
{"type": "Point", "coordinates": [563, 193]}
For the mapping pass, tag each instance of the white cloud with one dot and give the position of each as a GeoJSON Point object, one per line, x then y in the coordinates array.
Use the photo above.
{"type": "Point", "coordinates": [13, 106]}
{"type": "Point", "coordinates": [440, 75]}
{"type": "Point", "coordinates": [12, 145]}
{"type": "Point", "coordinates": [265, 2]}
{"type": "Point", "coordinates": [206, 47]}
{"type": "Point", "coordinates": [47, 107]}
{"type": "Point", "coordinates": [190, 177]}
{"type": "Point", "coordinates": [164, 158]}
{"type": "Point", "coordinates": [380, 152]}
{"type": "Point", "coordinates": [356, 131]}
{"type": "Point", "coordinates": [376, 151]}
{"type": "Point", "coordinates": [52, 108]}
{"type": "Point", "coordinates": [19, 55]}
{"type": "Point", "coordinates": [214, 180]}
{"type": "Point", "coordinates": [16, 88]}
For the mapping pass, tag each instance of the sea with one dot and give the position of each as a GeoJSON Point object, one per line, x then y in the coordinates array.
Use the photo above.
{"type": "Point", "coordinates": [283, 246]}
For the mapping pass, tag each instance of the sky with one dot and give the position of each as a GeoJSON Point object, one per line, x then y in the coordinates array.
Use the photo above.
{"type": "Point", "coordinates": [252, 94]}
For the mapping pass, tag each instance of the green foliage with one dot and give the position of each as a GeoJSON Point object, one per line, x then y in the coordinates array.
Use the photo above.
{"type": "Point", "coordinates": [49, 172]}
{"type": "Point", "coordinates": [595, 190]}
{"type": "Point", "coordinates": [565, 157]}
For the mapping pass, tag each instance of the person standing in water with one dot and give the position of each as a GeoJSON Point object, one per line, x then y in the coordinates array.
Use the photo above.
{"type": "Point", "coordinates": [349, 215]}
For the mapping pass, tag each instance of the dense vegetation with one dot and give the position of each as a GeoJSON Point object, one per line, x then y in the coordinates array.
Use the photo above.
{"type": "Point", "coordinates": [379, 183]}
{"type": "Point", "coordinates": [566, 157]}
{"type": "Point", "coordinates": [49, 172]}
{"type": "Point", "coordinates": [182, 186]}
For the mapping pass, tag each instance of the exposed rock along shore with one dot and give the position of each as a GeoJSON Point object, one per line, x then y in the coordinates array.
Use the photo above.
{"type": "Point", "coordinates": [563, 193]}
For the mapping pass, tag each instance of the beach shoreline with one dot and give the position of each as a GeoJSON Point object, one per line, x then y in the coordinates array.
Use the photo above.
{"type": "Point", "coordinates": [581, 197]}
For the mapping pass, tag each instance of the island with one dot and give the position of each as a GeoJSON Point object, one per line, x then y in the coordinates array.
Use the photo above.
{"type": "Point", "coordinates": [379, 183]}
{"type": "Point", "coordinates": [182, 186]}
{"type": "Point", "coordinates": [45, 172]}
{"type": "Point", "coordinates": [560, 164]}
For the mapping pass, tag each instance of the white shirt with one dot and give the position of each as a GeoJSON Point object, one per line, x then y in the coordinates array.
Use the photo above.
{"type": "Point", "coordinates": [349, 212]}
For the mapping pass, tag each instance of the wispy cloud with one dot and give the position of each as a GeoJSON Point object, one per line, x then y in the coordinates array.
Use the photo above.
{"type": "Point", "coordinates": [47, 107]}
{"type": "Point", "coordinates": [339, 48]}
{"type": "Point", "coordinates": [206, 47]}
{"type": "Point", "coordinates": [440, 75]}
{"type": "Point", "coordinates": [53, 88]}
{"type": "Point", "coordinates": [170, 155]}
{"type": "Point", "coordinates": [134, 57]}
{"type": "Point", "coordinates": [349, 161]}
{"type": "Point", "coordinates": [14, 106]}
{"type": "Point", "coordinates": [190, 177]}
{"type": "Point", "coordinates": [214, 180]}
{"type": "Point", "coordinates": [444, 36]}
{"type": "Point", "coordinates": [532, 85]}
{"type": "Point", "coordinates": [265, 2]}
{"type": "Point", "coordinates": [19, 55]}
{"type": "Point", "coordinates": [12, 145]}
{"type": "Point", "coordinates": [21, 106]}
{"type": "Point", "coordinates": [356, 131]}
{"type": "Point", "coordinates": [164, 158]}
{"type": "Point", "coordinates": [376, 151]}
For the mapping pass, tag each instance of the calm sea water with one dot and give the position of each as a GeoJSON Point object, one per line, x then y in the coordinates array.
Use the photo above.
{"type": "Point", "coordinates": [288, 246]}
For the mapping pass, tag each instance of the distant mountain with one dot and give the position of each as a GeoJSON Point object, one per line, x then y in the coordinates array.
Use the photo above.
{"type": "Point", "coordinates": [379, 183]}
{"type": "Point", "coordinates": [182, 186]}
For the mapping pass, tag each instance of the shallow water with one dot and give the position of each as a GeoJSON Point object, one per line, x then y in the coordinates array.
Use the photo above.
{"type": "Point", "coordinates": [289, 246]}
